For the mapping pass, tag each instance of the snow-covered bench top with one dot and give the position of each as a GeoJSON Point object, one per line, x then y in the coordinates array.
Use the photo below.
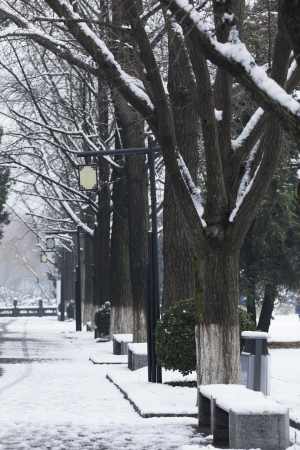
{"type": "Point", "coordinates": [241, 400]}
{"type": "Point", "coordinates": [138, 348]}
{"type": "Point", "coordinates": [122, 337]}
{"type": "Point", "coordinates": [255, 334]}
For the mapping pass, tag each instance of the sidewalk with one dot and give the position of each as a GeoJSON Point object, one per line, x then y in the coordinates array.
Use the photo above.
{"type": "Point", "coordinates": [53, 397]}
{"type": "Point", "coordinates": [59, 400]}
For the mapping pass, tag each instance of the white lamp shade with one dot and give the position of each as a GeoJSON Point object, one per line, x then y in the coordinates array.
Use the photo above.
{"type": "Point", "coordinates": [88, 177]}
{"type": "Point", "coordinates": [44, 258]}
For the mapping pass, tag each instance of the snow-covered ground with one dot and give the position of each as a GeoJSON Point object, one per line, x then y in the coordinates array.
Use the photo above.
{"type": "Point", "coordinates": [67, 402]}
{"type": "Point", "coordinates": [285, 363]}
{"type": "Point", "coordinates": [53, 397]}
{"type": "Point", "coordinates": [285, 328]}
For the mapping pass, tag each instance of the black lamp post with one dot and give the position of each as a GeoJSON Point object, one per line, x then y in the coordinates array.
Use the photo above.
{"type": "Point", "coordinates": [153, 305]}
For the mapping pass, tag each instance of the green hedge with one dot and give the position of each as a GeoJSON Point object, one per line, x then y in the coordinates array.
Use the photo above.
{"type": "Point", "coordinates": [175, 336]}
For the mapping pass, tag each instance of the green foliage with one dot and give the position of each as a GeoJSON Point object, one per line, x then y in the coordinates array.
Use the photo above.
{"type": "Point", "coordinates": [175, 336]}
{"type": "Point", "coordinates": [270, 254]}
{"type": "Point", "coordinates": [246, 323]}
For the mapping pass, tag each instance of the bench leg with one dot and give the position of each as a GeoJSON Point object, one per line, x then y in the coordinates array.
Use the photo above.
{"type": "Point", "coordinates": [116, 348]}
{"type": "Point", "coordinates": [267, 432]}
{"type": "Point", "coordinates": [220, 427]}
{"type": "Point", "coordinates": [204, 413]}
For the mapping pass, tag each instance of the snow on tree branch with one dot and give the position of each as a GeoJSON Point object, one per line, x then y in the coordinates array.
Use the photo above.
{"type": "Point", "coordinates": [194, 191]}
{"type": "Point", "coordinates": [234, 57]}
{"type": "Point", "coordinates": [25, 29]}
{"type": "Point", "coordinates": [246, 182]}
{"type": "Point", "coordinates": [248, 129]}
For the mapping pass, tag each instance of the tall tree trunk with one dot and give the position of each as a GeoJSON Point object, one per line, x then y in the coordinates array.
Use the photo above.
{"type": "Point", "coordinates": [67, 277]}
{"type": "Point", "coordinates": [131, 132]}
{"type": "Point", "coordinates": [138, 239]}
{"type": "Point", "coordinates": [120, 285]}
{"type": "Point", "coordinates": [103, 219]}
{"type": "Point", "coordinates": [219, 328]}
{"type": "Point", "coordinates": [178, 279]}
{"type": "Point", "coordinates": [131, 129]}
{"type": "Point", "coordinates": [267, 307]}
{"type": "Point", "coordinates": [179, 270]}
{"type": "Point", "coordinates": [102, 239]}
{"type": "Point", "coordinates": [87, 279]}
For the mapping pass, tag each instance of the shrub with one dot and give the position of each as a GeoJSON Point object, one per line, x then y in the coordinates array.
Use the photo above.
{"type": "Point", "coordinates": [246, 322]}
{"type": "Point", "coordinates": [175, 336]}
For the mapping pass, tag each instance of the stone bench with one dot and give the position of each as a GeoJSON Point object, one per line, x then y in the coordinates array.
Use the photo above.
{"type": "Point", "coordinates": [241, 418]}
{"type": "Point", "coordinates": [137, 355]}
{"type": "Point", "coordinates": [120, 343]}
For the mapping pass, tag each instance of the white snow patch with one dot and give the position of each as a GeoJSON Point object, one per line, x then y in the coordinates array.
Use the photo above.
{"type": "Point", "coordinates": [153, 398]}
{"type": "Point", "coordinates": [123, 337]}
{"type": "Point", "coordinates": [255, 334]}
{"type": "Point", "coordinates": [138, 348]}
{"type": "Point", "coordinates": [219, 115]}
{"type": "Point", "coordinates": [246, 183]}
{"type": "Point", "coordinates": [239, 141]}
{"type": "Point", "coordinates": [194, 191]}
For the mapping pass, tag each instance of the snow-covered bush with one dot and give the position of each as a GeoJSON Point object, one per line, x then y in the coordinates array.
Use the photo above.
{"type": "Point", "coordinates": [175, 336]}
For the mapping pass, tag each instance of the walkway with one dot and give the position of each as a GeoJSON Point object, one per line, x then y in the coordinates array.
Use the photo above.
{"type": "Point", "coordinates": [52, 397]}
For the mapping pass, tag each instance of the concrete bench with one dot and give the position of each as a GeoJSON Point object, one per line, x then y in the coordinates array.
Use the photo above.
{"type": "Point", "coordinates": [241, 418]}
{"type": "Point", "coordinates": [137, 355]}
{"type": "Point", "coordinates": [120, 343]}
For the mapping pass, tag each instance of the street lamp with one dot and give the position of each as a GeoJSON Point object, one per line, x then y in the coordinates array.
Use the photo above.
{"type": "Point", "coordinates": [153, 313]}
{"type": "Point", "coordinates": [88, 177]}
{"type": "Point", "coordinates": [43, 258]}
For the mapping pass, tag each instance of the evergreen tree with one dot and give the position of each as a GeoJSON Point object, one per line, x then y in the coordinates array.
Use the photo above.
{"type": "Point", "coordinates": [270, 254]}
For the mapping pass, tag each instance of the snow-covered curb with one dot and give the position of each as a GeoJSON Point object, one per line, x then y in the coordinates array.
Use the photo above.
{"type": "Point", "coordinates": [104, 355]}
{"type": "Point", "coordinates": [154, 400]}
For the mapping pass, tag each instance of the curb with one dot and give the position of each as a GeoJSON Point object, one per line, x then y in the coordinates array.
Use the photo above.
{"type": "Point", "coordinates": [103, 363]}
{"type": "Point", "coordinates": [284, 344]}
{"type": "Point", "coordinates": [146, 415]}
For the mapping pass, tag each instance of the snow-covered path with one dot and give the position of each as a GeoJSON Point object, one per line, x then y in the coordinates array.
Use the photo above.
{"type": "Point", "coordinates": [52, 397]}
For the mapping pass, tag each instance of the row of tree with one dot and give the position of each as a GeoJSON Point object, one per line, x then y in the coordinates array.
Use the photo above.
{"type": "Point", "coordinates": [106, 74]}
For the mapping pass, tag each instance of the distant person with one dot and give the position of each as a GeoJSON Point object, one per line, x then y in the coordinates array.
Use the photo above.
{"type": "Point", "coordinates": [70, 310]}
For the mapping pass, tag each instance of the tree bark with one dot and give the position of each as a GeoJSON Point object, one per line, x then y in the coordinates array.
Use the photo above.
{"type": "Point", "coordinates": [87, 278]}
{"type": "Point", "coordinates": [102, 229]}
{"type": "Point", "coordinates": [138, 241]}
{"type": "Point", "coordinates": [102, 238]}
{"type": "Point", "coordinates": [179, 270]}
{"type": "Point", "coordinates": [120, 287]}
{"type": "Point", "coordinates": [267, 307]}
{"type": "Point", "coordinates": [219, 328]}
{"type": "Point", "coordinates": [131, 131]}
